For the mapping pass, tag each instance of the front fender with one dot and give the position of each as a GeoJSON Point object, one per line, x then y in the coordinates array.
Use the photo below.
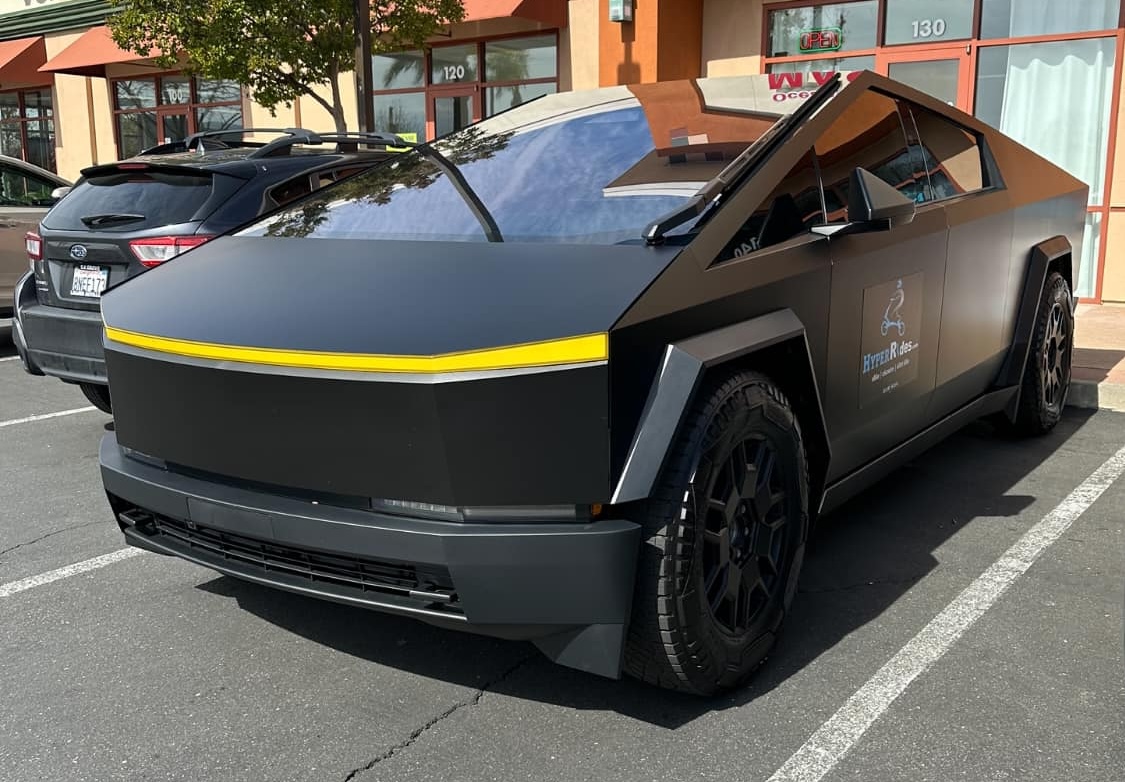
{"type": "Point", "coordinates": [683, 366]}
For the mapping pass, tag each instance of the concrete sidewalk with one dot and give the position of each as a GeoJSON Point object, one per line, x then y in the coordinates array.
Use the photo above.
{"type": "Point", "coordinates": [1099, 357]}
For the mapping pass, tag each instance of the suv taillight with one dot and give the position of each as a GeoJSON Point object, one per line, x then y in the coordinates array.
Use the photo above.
{"type": "Point", "coordinates": [34, 244]}
{"type": "Point", "coordinates": [157, 250]}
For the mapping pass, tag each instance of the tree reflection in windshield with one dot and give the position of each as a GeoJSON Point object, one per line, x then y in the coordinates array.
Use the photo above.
{"type": "Point", "coordinates": [408, 170]}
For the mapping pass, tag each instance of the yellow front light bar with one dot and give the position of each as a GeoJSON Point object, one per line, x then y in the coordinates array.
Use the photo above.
{"type": "Point", "coordinates": [570, 350]}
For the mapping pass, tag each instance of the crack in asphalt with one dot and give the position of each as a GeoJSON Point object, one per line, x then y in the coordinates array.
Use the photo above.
{"type": "Point", "coordinates": [33, 541]}
{"type": "Point", "coordinates": [909, 580]}
{"type": "Point", "coordinates": [456, 707]}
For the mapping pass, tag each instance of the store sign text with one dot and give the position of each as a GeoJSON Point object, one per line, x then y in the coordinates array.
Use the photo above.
{"type": "Point", "coordinates": [794, 86]}
{"type": "Point", "coordinates": [825, 39]}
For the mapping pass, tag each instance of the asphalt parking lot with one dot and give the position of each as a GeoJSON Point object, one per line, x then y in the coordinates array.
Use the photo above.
{"type": "Point", "coordinates": [142, 667]}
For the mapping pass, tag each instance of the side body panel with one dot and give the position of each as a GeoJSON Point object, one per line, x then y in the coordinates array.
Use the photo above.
{"type": "Point", "coordinates": [978, 304]}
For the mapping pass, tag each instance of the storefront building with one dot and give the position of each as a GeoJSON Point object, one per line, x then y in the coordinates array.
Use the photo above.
{"type": "Point", "coordinates": [1044, 71]}
{"type": "Point", "coordinates": [70, 97]}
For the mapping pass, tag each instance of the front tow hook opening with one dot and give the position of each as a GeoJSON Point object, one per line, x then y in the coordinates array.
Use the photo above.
{"type": "Point", "coordinates": [143, 521]}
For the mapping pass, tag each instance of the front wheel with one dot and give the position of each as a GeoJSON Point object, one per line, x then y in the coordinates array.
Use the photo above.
{"type": "Point", "coordinates": [1046, 380]}
{"type": "Point", "coordinates": [98, 396]}
{"type": "Point", "coordinates": [724, 537]}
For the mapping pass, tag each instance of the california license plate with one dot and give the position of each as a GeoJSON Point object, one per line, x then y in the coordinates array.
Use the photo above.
{"type": "Point", "coordinates": [89, 281]}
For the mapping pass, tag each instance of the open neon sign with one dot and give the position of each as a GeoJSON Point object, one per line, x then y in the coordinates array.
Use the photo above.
{"type": "Point", "coordinates": [825, 39]}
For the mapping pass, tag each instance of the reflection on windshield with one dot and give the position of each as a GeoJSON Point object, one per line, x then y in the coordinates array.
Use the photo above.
{"type": "Point", "coordinates": [592, 167]}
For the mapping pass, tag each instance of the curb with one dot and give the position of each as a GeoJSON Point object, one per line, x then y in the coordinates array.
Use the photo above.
{"type": "Point", "coordinates": [1089, 395]}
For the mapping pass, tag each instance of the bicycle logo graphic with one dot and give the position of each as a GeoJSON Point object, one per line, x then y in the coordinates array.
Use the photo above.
{"type": "Point", "coordinates": [892, 316]}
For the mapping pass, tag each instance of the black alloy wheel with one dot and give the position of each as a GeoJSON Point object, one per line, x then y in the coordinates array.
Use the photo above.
{"type": "Point", "coordinates": [723, 540]}
{"type": "Point", "coordinates": [744, 535]}
{"type": "Point", "coordinates": [1046, 380]}
{"type": "Point", "coordinates": [1054, 364]}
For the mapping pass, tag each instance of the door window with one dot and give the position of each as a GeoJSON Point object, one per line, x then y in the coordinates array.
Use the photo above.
{"type": "Point", "coordinates": [870, 135]}
{"type": "Point", "coordinates": [790, 211]}
{"type": "Point", "coordinates": [950, 155]}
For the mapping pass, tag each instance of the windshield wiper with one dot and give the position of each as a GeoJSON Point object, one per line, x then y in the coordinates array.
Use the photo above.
{"type": "Point", "coordinates": [733, 173]}
{"type": "Point", "coordinates": [97, 221]}
{"type": "Point", "coordinates": [460, 184]}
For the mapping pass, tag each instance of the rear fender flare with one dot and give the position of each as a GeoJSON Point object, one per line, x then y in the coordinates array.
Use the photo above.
{"type": "Point", "coordinates": [682, 370]}
{"type": "Point", "coordinates": [1039, 264]}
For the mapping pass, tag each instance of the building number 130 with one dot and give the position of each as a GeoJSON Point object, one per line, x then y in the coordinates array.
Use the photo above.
{"type": "Point", "coordinates": [928, 28]}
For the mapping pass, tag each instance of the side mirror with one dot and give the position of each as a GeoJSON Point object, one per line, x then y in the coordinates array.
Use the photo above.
{"type": "Point", "coordinates": [59, 192]}
{"type": "Point", "coordinates": [873, 205]}
{"type": "Point", "coordinates": [871, 200]}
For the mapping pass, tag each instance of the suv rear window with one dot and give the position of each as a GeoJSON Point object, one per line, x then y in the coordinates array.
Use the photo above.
{"type": "Point", "coordinates": [155, 198]}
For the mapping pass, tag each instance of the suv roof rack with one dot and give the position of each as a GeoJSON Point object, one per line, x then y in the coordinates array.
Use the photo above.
{"type": "Point", "coordinates": [344, 140]}
{"type": "Point", "coordinates": [224, 140]}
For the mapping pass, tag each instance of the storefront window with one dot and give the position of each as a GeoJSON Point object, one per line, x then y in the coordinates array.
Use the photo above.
{"type": "Point", "coordinates": [818, 29]}
{"type": "Point", "coordinates": [453, 64]}
{"type": "Point", "coordinates": [402, 70]}
{"type": "Point", "coordinates": [503, 98]}
{"type": "Point", "coordinates": [924, 21]}
{"type": "Point", "coordinates": [426, 94]}
{"type": "Point", "coordinates": [151, 111]}
{"type": "Point", "coordinates": [1055, 99]}
{"type": "Point", "coordinates": [807, 68]}
{"type": "Point", "coordinates": [402, 113]}
{"type": "Point", "coordinates": [520, 59]}
{"type": "Point", "coordinates": [1014, 18]}
{"type": "Point", "coordinates": [27, 126]}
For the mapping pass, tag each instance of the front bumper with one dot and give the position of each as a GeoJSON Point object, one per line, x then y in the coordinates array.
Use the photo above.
{"type": "Point", "coordinates": [56, 341]}
{"type": "Point", "coordinates": [567, 587]}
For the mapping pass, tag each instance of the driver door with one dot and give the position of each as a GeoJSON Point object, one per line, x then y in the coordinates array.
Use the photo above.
{"type": "Point", "coordinates": [886, 290]}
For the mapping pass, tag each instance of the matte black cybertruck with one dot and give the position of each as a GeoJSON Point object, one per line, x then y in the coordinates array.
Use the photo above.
{"type": "Point", "coordinates": [585, 373]}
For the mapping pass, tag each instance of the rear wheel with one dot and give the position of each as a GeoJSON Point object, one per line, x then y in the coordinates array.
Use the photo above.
{"type": "Point", "coordinates": [1046, 380]}
{"type": "Point", "coordinates": [98, 396]}
{"type": "Point", "coordinates": [724, 537]}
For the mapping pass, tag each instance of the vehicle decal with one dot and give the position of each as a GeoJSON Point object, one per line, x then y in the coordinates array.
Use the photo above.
{"type": "Point", "coordinates": [570, 350]}
{"type": "Point", "coordinates": [892, 323]}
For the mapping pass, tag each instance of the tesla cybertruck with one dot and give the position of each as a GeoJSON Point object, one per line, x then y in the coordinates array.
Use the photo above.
{"type": "Point", "coordinates": [587, 372]}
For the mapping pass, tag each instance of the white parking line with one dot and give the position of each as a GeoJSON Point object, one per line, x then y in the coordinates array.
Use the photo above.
{"type": "Point", "coordinates": [827, 747]}
{"type": "Point", "coordinates": [45, 416]}
{"type": "Point", "coordinates": [9, 358]}
{"type": "Point", "coordinates": [24, 584]}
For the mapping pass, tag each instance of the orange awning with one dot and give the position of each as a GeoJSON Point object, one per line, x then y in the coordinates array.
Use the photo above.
{"type": "Point", "coordinates": [549, 12]}
{"type": "Point", "coordinates": [89, 55]}
{"type": "Point", "coordinates": [20, 60]}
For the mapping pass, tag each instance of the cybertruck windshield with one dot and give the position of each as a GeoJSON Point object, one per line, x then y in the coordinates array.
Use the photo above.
{"type": "Point", "coordinates": [592, 167]}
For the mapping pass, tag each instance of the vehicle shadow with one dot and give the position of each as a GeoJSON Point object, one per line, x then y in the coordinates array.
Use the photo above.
{"type": "Point", "coordinates": [865, 557]}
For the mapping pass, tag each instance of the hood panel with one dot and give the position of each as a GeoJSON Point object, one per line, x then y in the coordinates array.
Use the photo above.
{"type": "Point", "coordinates": [384, 297]}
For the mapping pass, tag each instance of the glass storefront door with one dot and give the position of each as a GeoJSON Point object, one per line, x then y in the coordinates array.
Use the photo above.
{"type": "Point", "coordinates": [173, 126]}
{"type": "Point", "coordinates": [455, 110]}
{"type": "Point", "coordinates": [944, 73]}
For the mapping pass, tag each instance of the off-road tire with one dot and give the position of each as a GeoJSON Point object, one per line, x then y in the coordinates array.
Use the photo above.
{"type": "Point", "coordinates": [677, 638]}
{"type": "Point", "coordinates": [98, 396]}
{"type": "Point", "coordinates": [1046, 378]}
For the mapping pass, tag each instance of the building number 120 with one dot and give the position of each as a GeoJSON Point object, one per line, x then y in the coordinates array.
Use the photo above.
{"type": "Point", "coordinates": [928, 28]}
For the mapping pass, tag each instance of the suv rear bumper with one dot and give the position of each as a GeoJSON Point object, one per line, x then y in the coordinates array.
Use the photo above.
{"type": "Point", "coordinates": [55, 341]}
{"type": "Point", "coordinates": [566, 587]}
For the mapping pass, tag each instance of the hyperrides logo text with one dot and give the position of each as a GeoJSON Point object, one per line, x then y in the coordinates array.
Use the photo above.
{"type": "Point", "coordinates": [892, 321]}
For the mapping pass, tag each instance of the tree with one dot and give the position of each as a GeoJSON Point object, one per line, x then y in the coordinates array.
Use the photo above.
{"type": "Point", "coordinates": [278, 49]}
